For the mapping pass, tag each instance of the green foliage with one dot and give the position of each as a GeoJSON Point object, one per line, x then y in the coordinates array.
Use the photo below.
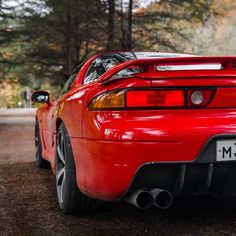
{"type": "Point", "coordinates": [163, 26]}
{"type": "Point", "coordinates": [43, 41]}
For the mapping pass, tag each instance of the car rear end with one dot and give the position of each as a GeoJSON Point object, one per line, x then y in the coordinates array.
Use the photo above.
{"type": "Point", "coordinates": [170, 127]}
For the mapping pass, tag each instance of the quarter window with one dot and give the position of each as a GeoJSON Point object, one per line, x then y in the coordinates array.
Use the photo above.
{"type": "Point", "coordinates": [95, 71]}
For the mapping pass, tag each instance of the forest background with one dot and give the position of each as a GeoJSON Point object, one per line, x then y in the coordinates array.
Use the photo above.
{"type": "Point", "coordinates": [42, 41]}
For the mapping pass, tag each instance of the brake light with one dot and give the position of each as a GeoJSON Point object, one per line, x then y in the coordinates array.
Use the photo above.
{"type": "Point", "coordinates": [155, 98]}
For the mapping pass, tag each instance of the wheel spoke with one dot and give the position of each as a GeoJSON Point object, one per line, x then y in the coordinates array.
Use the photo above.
{"type": "Point", "coordinates": [59, 194]}
{"type": "Point", "coordinates": [62, 187]}
{"type": "Point", "coordinates": [61, 154]}
{"type": "Point", "coordinates": [62, 144]}
{"type": "Point", "coordinates": [60, 176]}
{"type": "Point", "coordinates": [60, 180]}
{"type": "Point", "coordinates": [61, 171]}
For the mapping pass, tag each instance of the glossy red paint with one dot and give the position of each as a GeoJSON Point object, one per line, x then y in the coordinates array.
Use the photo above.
{"type": "Point", "coordinates": [109, 146]}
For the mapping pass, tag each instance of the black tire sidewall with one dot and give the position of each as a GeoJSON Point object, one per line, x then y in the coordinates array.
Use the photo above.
{"type": "Point", "coordinates": [39, 149]}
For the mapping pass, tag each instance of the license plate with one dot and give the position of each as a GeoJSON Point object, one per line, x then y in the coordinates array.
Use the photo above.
{"type": "Point", "coordinates": [226, 150]}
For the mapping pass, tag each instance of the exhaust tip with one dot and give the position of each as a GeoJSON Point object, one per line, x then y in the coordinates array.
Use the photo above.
{"type": "Point", "coordinates": [144, 200]}
{"type": "Point", "coordinates": [162, 198]}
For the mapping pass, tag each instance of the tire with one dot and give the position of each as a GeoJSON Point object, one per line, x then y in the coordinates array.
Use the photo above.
{"type": "Point", "coordinates": [71, 200]}
{"type": "Point", "coordinates": [40, 162]}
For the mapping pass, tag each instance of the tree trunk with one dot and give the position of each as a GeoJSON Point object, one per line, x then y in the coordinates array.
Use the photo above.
{"type": "Point", "coordinates": [130, 22]}
{"type": "Point", "coordinates": [122, 28]}
{"type": "Point", "coordinates": [111, 25]}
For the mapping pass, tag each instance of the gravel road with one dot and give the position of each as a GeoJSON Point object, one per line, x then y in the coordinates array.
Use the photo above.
{"type": "Point", "coordinates": [28, 203]}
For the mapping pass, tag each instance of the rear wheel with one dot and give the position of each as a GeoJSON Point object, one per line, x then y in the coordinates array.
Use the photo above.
{"type": "Point", "coordinates": [40, 162]}
{"type": "Point", "coordinates": [70, 198]}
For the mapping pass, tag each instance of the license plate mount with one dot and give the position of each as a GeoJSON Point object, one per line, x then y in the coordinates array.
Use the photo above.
{"type": "Point", "coordinates": [226, 150]}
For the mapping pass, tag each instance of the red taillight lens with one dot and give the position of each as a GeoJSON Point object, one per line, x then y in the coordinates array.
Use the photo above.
{"type": "Point", "coordinates": [199, 98]}
{"type": "Point", "coordinates": [155, 98]}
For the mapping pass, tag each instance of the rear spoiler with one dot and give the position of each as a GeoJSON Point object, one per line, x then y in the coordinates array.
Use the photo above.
{"type": "Point", "coordinates": [228, 66]}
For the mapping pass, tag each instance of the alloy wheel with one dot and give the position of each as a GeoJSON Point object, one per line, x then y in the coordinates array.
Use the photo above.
{"type": "Point", "coordinates": [60, 167]}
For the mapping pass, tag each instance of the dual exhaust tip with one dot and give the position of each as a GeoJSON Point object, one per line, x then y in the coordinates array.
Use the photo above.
{"type": "Point", "coordinates": [144, 199]}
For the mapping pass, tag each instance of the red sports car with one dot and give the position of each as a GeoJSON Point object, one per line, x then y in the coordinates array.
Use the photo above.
{"type": "Point", "coordinates": [142, 127]}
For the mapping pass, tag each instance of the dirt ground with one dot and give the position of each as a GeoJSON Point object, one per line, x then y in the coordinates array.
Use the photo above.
{"type": "Point", "coordinates": [28, 204]}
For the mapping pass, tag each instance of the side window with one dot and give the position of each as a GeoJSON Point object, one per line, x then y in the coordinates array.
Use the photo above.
{"type": "Point", "coordinates": [68, 84]}
{"type": "Point", "coordinates": [96, 69]}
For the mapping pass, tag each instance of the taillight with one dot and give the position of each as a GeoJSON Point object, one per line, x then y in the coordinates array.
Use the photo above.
{"type": "Point", "coordinates": [155, 98]}
{"type": "Point", "coordinates": [152, 98]}
{"type": "Point", "coordinates": [199, 98]}
{"type": "Point", "coordinates": [109, 100]}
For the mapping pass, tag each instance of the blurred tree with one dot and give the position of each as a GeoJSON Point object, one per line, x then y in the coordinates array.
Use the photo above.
{"type": "Point", "coordinates": [217, 36]}
{"type": "Point", "coordinates": [163, 25]}
{"type": "Point", "coordinates": [43, 41]}
{"type": "Point", "coordinates": [64, 36]}
{"type": "Point", "coordinates": [111, 24]}
{"type": "Point", "coordinates": [130, 22]}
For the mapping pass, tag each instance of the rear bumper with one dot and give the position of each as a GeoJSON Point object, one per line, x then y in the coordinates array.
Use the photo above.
{"type": "Point", "coordinates": [204, 175]}
{"type": "Point", "coordinates": [109, 170]}
{"type": "Point", "coordinates": [218, 179]}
